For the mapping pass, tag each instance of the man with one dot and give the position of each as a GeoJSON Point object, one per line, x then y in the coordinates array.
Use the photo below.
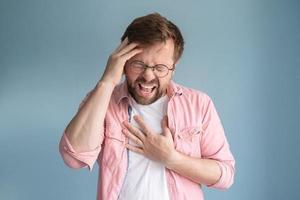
{"type": "Point", "coordinates": [152, 138]}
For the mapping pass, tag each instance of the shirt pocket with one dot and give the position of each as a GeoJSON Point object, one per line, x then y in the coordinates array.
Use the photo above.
{"type": "Point", "coordinates": [188, 141]}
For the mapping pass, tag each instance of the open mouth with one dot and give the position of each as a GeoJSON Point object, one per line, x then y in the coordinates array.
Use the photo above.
{"type": "Point", "coordinates": [146, 89]}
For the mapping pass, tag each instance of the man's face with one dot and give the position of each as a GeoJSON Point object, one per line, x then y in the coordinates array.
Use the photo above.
{"type": "Point", "coordinates": [146, 87]}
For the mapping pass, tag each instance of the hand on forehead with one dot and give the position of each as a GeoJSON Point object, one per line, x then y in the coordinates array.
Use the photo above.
{"type": "Point", "coordinates": [158, 53]}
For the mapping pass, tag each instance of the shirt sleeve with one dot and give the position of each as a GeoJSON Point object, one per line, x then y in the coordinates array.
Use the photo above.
{"type": "Point", "coordinates": [75, 159]}
{"type": "Point", "coordinates": [214, 146]}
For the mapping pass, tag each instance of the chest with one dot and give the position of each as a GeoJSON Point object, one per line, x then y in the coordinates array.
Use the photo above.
{"type": "Point", "coordinates": [184, 122]}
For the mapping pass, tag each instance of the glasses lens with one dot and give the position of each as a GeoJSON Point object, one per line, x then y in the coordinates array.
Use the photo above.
{"type": "Point", "coordinates": [161, 70]}
{"type": "Point", "coordinates": [137, 66]}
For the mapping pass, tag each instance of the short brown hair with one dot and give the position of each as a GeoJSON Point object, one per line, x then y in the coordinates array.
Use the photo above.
{"type": "Point", "coordinates": [153, 28]}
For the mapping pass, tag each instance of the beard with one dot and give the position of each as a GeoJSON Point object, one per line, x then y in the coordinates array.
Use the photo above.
{"type": "Point", "coordinates": [144, 92]}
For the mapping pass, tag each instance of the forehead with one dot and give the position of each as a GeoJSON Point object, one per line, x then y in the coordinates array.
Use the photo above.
{"type": "Point", "coordinates": [157, 53]}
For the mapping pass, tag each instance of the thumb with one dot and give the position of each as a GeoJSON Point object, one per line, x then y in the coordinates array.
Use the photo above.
{"type": "Point", "coordinates": [166, 131]}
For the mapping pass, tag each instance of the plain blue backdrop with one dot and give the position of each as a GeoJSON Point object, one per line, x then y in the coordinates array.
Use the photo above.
{"type": "Point", "coordinates": [244, 54]}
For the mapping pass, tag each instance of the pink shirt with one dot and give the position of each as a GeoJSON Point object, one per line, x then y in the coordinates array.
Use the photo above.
{"type": "Point", "coordinates": [197, 132]}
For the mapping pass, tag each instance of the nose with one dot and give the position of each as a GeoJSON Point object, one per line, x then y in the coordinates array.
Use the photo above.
{"type": "Point", "coordinates": [148, 74]}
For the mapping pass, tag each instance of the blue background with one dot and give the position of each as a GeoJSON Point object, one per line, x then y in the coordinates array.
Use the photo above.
{"type": "Point", "coordinates": [244, 54]}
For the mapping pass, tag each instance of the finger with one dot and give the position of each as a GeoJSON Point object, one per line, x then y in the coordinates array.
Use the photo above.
{"type": "Point", "coordinates": [123, 43]}
{"type": "Point", "coordinates": [146, 129]}
{"type": "Point", "coordinates": [135, 149]}
{"type": "Point", "coordinates": [127, 48]}
{"type": "Point", "coordinates": [166, 131]}
{"type": "Point", "coordinates": [132, 53]}
{"type": "Point", "coordinates": [133, 137]}
{"type": "Point", "coordinates": [164, 122]}
{"type": "Point", "coordinates": [164, 126]}
{"type": "Point", "coordinates": [135, 131]}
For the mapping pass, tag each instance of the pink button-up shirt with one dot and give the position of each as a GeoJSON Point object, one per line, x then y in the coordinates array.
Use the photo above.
{"type": "Point", "coordinates": [197, 132]}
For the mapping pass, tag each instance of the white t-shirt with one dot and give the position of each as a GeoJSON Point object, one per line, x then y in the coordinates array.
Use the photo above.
{"type": "Point", "coordinates": [146, 179]}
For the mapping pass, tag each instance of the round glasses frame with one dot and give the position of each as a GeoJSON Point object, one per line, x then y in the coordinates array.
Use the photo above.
{"type": "Point", "coordinates": [160, 70]}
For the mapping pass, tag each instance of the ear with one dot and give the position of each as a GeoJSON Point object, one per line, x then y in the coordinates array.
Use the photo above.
{"type": "Point", "coordinates": [175, 65]}
{"type": "Point", "coordinates": [173, 72]}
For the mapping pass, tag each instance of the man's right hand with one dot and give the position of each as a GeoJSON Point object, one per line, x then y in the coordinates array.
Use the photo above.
{"type": "Point", "coordinates": [116, 62]}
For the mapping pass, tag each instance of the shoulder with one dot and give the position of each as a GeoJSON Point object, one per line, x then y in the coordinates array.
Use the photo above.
{"type": "Point", "coordinates": [120, 92]}
{"type": "Point", "coordinates": [193, 94]}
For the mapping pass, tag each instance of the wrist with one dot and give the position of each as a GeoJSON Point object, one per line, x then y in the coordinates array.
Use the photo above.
{"type": "Point", "coordinates": [174, 158]}
{"type": "Point", "coordinates": [107, 85]}
{"type": "Point", "coordinates": [106, 82]}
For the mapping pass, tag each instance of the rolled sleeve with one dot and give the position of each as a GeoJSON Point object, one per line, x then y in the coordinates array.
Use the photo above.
{"type": "Point", "coordinates": [214, 146]}
{"type": "Point", "coordinates": [227, 176]}
{"type": "Point", "coordinates": [75, 159]}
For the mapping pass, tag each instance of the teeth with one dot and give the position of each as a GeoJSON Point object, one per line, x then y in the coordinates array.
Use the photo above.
{"type": "Point", "coordinates": [147, 86]}
{"type": "Point", "coordinates": [146, 89]}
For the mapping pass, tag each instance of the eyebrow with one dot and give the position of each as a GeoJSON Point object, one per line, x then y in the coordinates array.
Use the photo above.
{"type": "Point", "coordinates": [153, 65]}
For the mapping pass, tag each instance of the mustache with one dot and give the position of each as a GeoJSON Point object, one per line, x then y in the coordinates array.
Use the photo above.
{"type": "Point", "coordinates": [142, 80]}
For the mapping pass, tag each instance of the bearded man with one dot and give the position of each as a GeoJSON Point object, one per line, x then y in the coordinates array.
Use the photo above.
{"type": "Point", "coordinates": [152, 138]}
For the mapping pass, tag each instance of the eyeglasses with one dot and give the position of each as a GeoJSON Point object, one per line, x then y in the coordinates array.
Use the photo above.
{"type": "Point", "coordinates": [160, 70]}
